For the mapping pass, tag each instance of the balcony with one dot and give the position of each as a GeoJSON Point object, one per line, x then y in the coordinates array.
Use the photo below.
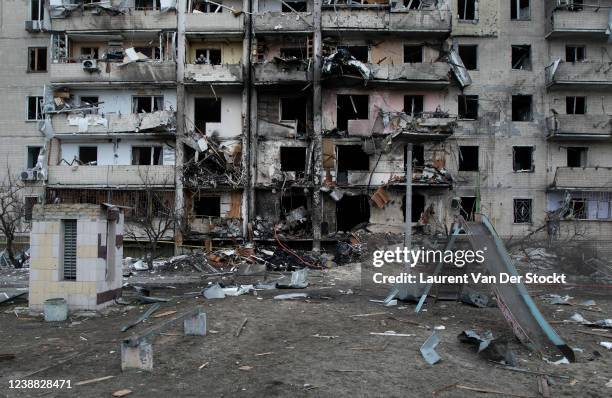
{"type": "Point", "coordinates": [436, 73]}
{"type": "Point", "coordinates": [131, 19]}
{"type": "Point", "coordinates": [583, 179]}
{"type": "Point", "coordinates": [589, 23]}
{"type": "Point", "coordinates": [579, 127]}
{"type": "Point", "coordinates": [280, 22]}
{"type": "Point", "coordinates": [158, 72]}
{"type": "Point", "coordinates": [223, 22]}
{"type": "Point", "coordinates": [354, 19]}
{"type": "Point", "coordinates": [224, 74]}
{"type": "Point", "coordinates": [581, 75]}
{"type": "Point", "coordinates": [274, 73]}
{"type": "Point", "coordinates": [66, 125]}
{"type": "Point", "coordinates": [110, 176]}
{"type": "Point", "coordinates": [421, 21]}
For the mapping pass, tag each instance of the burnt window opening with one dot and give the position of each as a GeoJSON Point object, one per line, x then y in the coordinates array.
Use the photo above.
{"type": "Point", "coordinates": [34, 110]}
{"type": "Point", "coordinates": [69, 249]}
{"type": "Point", "coordinates": [577, 209]}
{"type": "Point", "coordinates": [33, 153]}
{"type": "Point", "coordinates": [293, 52]}
{"type": "Point", "coordinates": [37, 59]}
{"type": "Point", "coordinates": [293, 109]}
{"type": "Point", "coordinates": [577, 156]}
{"type": "Point", "coordinates": [520, 10]}
{"type": "Point", "coordinates": [467, 107]}
{"type": "Point", "coordinates": [521, 108]}
{"type": "Point", "coordinates": [188, 153]}
{"type": "Point", "coordinates": [147, 155]}
{"type": "Point", "coordinates": [575, 53]}
{"type": "Point", "coordinates": [352, 158]}
{"type": "Point", "coordinates": [359, 52]}
{"type": "Point", "coordinates": [207, 206]}
{"type": "Point", "coordinates": [206, 7]}
{"type": "Point", "coordinates": [147, 4]}
{"type": "Point", "coordinates": [290, 6]}
{"type": "Point", "coordinates": [418, 155]}
{"type": "Point", "coordinates": [293, 159]}
{"type": "Point", "coordinates": [29, 202]}
{"type": "Point", "coordinates": [352, 211]}
{"type": "Point", "coordinates": [206, 110]}
{"type": "Point", "coordinates": [417, 207]}
{"type": "Point", "coordinates": [522, 158]}
{"type": "Point", "coordinates": [151, 52]}
{"type": "Point", "coordinates": [147, 103]}
{"type": "Point", "coordinates": [575, 5]}
{"type": "Point", "coordinates": [292, 202]}
{"type": "Point", "coordinates": [413, 104]}
{"type": "Point", "coordinates": [350, 107]}
{"type": "Point", "coordinates": [37, 10]}
{"type": "Point", "coordinates": [575, 105]}
{"type": "Point", "coordinates": [468, 10]}
{"type": "Point", "coordinates": [521, 57]}
{"type": "Point", "coordinates": [522, 211]}
{"type": "Point", "coordinates": [467, 207]}
{"type": "Point", "coordinates": [89, 52]}
{"type": "Point", "coordinates": [208, 56]}
{"type": "Point", "coordinates": [88, 155]}
{"type": "Point", "coordinates": [412, 4]}
{"type": "Point", "coordinates": [89, 100]}
{"type": "Point", "coordinates": [468, 158]}
{"type": "Point", "coordinates": [469, 56]}
{"type": "Point", "coordinates": [413, 53]}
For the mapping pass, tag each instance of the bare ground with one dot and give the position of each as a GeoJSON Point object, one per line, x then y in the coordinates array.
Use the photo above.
{"type": "Point", "coordinates": [278, 354]}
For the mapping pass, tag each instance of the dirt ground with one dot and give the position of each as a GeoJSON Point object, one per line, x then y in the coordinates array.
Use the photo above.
{"type": "Point", "coordinates": [313, 347]}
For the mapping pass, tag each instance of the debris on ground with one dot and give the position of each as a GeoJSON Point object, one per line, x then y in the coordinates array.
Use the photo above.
{"type": "Point", "coordinates": [488, 347]}
{"type": "Point", "coordinates": [290, 296]}
{"type": "Point", "coordinates": [428, 349]}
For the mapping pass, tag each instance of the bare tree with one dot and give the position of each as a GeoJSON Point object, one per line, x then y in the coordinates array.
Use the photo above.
{"type": "Point", "coordinates": [12, 212]}
{"type": "Point", "coordinates": [153, 219]}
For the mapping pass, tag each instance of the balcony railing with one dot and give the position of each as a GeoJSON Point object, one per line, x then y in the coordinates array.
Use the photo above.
{"type": "Point", "coordinates": [276, 21]}
{"type": "Point", "coordinates": [581, 74]}
{"type": "Point", "coordinates": [114, 176]}
{"type": "Point", "coordinates": [436, 72]}
{"type": "Point", "coordinates": [583, 178]}
{"type": "Point", "coordinates": [579, 127]}
{"type": "Point", "coordinates": [226, 22]}
{"type": "Point", "coordinates": [224, 73]}
{"type": "Point", "coordinates": [161, 72]}
{"type": "Point", "coordinates": [587, 21]}
{"type": "Point", "coordinates": [77, 124]}
{"type": "Point", "coordinates": [381, 18]}
{"type": "Point", "coordinates": [129, 19]}
{"type": "Point", "coordinates": [273, 72]}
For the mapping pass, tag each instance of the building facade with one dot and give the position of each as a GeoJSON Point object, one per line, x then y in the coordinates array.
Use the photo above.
{"type": "Point", "coordinates": [260, 118]}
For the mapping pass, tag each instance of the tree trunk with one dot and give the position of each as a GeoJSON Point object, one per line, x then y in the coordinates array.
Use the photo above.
{"type": "Point", "coordinates": [11, 252]}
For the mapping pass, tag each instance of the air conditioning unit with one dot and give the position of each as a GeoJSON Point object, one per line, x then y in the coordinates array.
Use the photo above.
{"type": "Point", "coordinates": [89, 65]}
{"type": "Point", "coordinates": [29, 175]}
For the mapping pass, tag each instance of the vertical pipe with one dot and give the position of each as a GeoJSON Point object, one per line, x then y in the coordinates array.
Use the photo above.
{"type": "Point", "coordinates": [408, 222]}
{"type": "Point", "coordinates": [318, 128]}
{"type": "Point", "coordinates": [179, 199]}
{"type": "Point", "coordinates": [248, 199]}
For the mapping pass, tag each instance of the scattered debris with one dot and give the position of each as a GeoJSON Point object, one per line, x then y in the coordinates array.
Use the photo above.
{"type": "Point", "coordinates": [290, 296]}
{"type": "Point", "coordinates": [142, 318]}
{"type": "Point", "coordinates": [6, 357]}
{"type": "Point", "coordinates": [299, 280]}
{"type": "Point", "coordinates": [85, 382]}
{"type": "Point", "coordinates": [606, 344]}
{"type": "Point", "coordinates": [391, 333]}
{"type": "Point", "coordinates": [428, 349]}
{"type": "Point", "coordinates": [241, 327]}
{"type": "Point", "coordinates": [488, 347]}
{"type": "Point", "coordinates": [122, 393]}
{"type": "Point", "coordinates": [205, 364]}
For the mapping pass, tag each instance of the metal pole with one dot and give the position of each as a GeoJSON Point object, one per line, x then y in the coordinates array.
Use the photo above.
{"type": "Point", "coordinates": [408, 222]}
{"type": "Point", "coordinates": [317, 127]}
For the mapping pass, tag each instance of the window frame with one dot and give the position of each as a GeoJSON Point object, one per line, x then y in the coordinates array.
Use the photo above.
{"type": "Point", "coordinates": [518, 13]}
{"type": "Point", "coordinates": [38, 111]}
{"type": "Point", "coordinates": [515, 169]}
{"type": "Point", "coordinates": [515, 220]}
{"type": "Point", "coordinates": [468, 97]}
{"type": "Point", "coordinates": [36, 50]}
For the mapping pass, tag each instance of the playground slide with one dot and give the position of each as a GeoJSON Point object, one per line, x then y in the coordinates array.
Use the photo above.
{"type": "Point", "coordinates": [514, 301]}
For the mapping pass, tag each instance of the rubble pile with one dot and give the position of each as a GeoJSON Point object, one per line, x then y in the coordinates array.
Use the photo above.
{"type": "Point", "coordinates": [214, 166]}
{"type": "Point", "coordinates": [343, 63]}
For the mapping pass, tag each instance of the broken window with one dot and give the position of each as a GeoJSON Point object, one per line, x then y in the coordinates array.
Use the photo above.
{"type": "Point", "coordinates": [33, 152]}
{"type": "Point", "coordinates": [292, 202]}
{"type": "Point", "coordinates": [416, 209]}
{"type": "Point", "coordinates": [147, 155]}
{"type": "Point", "coordinates": [575, 105]}
{"type": "Point", "coordinates": [577, 156]}
{"type": "Point", "coordinates": [519, 10]}
{"type": "Point", "coordinates": [147, 4]}
{"type": "Point", "coordinates": [206, 7]}
{"type": "Point", "coordinates": [575, 53]}
{"type": "Point", "coordinates": [521, 108]}
{"type": "Point", "coordinates": [521, 57]}
{"type": "Point", "coordinates": [350, 107]}
{"type": "Point", "coordinates": [413, 104]}
{"type": "Point", "coordinates": [293, 159]}
{"type": "Point", "coordinates": [37, 59]}
{"type": "Point", "coordinates": [208, 56]}
{"type": "Point", "coordinates": [37, 10]}
{"type": "Point", "coordinates": [413, 53]}
{"type": "Point", "coordinates": [352, 157]}
{"type": "Point", "coordinates": [69, 249]}
{"type": "Point", "coordinates": [412, 4]}
{"type": "Point", "coordinates": [290, 6]}
{"type": "Point", "coordinates": [89, 52]}
{"type": "Point", "coordinates": [522, 211]}
{"type": "Point", "coordinates": [468, 10]}
{"type": "Point", "coordinates": [468, 106]}
{"type": "Point", "coordinates": [467, 207]}
{"type": "Point", "coordinates": [34, 111]}
{"type": "Point", "coordinates": [206, 110]}
{"type": "Point", "coordinates": [293, 53]}
{"type": "Point", "coordinates": [352, 211]}
{"type": "Point", "coordinates": [151, 52]}
{"type": "Point", "coordinates": [207, 206]}
{"type": "Point", "coordinates": [469, 56]}
{"type": "Point", "coordinates": [89, 100]}
{"type": "Point", "coordinates": [468, 158]}
{"type": "Point", "coordinates": [359, 52]}
{"type": "Point", "coordinates": [575, 5]}
{"type": "Point", "coordinates": [418, 155]}
{"type": "Point", "coordinates": [88, 155]}
{"type": "Point", "coordinates": [148, 103]}
{"type": "Point", "coordinates": [29, 202]}
{"type": "Point", "coordinates": [578, 209]}
{"type": "Point", "coordinates": [522, 158]}
{"type": "Point", "coordinates": [293, 109]}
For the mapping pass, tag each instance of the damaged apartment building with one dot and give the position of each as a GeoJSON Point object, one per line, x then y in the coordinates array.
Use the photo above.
{"type": "Point", "coordinates": [260, 119]}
